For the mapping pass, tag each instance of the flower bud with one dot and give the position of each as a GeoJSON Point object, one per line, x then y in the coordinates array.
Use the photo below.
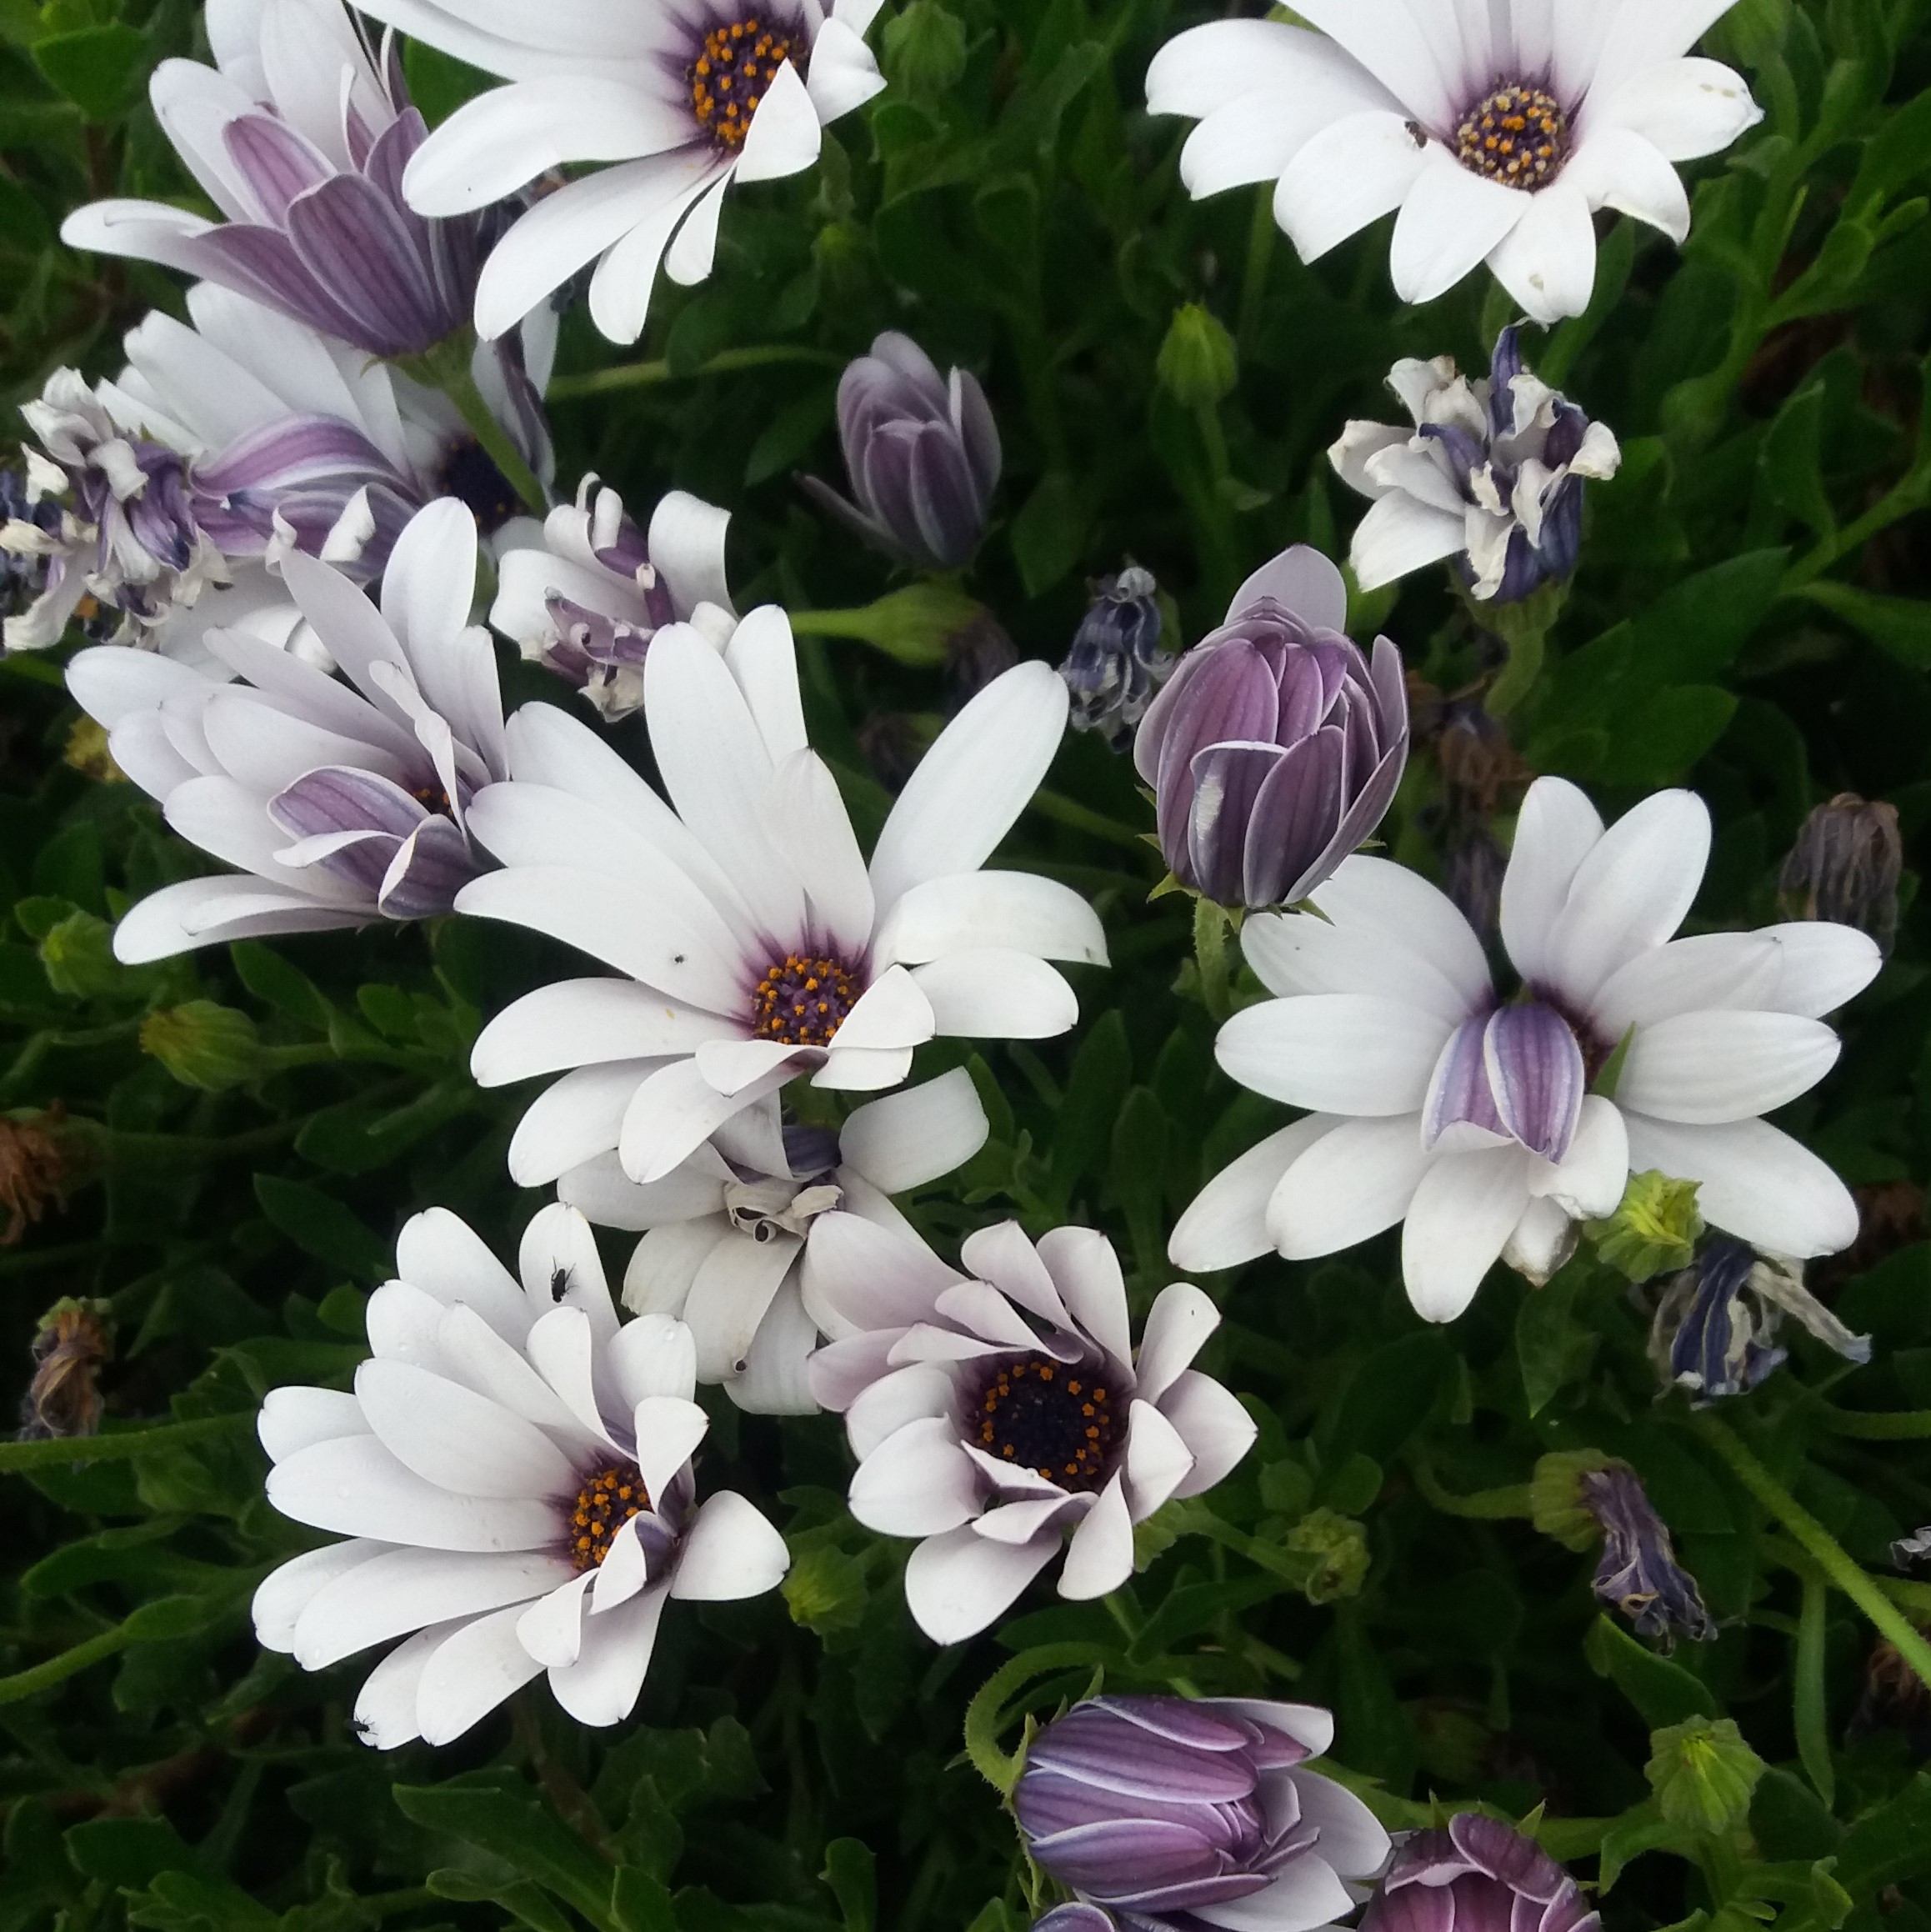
{"type": "Point", "coordinates": [1336, 1546]}
{"type": "Point", "coordinates": [1653, 1229]}
{"type": "Point", "coordinates": [1478, 1873]}
{"type": "Point", "coordinates": [1704, 1774]}
{"type": "Point", "coordinates": [1160, 1808]}
{"type": "Point", "coordinates": [1198, 364]}
{"type": "Point", "coordinates": [1845, 866]}
{"type": "Point", "coordinates": [1116, 661]}
{"type": "Point", "coordinates": [203, 1045]}
{"type": "Point", "coordinates": [925, 50]}
{"type": "Point", "coordinates": [87, 754]}
{"type": "Point", "coordinates": [922, 454]}
{"type": "Point", "coordinates": [1276, 747]}
{"type": "Point", "coordinates": [77, 956]}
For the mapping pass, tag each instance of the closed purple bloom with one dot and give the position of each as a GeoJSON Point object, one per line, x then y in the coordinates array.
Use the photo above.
{"type": "Point", "coordinates": [923, 453]}
{"type": "Point", "coordinates": [1275, 749]}
{"type": "Point", "coordinates": [1116, 663]}
{"type": "Point", "coordinates": [1157, 1807]}
{"type": "Point", "coordinates": [1477, 1876]}
{"type": "Point", "coordinates": [308, 181]}
{"type": "Point", "coordinates": [1638, 1572]}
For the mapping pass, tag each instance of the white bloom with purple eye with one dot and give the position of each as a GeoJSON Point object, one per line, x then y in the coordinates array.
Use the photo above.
{"type": "Point", "coordinates": [1276, 746]}
{"type": "Point", "coordinates": [756, 944]}
{"type": "Point", "coordinates": [1172, 1813]}
{"type": "Point", "coordinates": [923, 453]}
{"type": "Point", "coordinates": [684, 96]}
{"type": "Point", "coordinates": [1004, 1414]}
{"type": "Point", "coordinates": [587, 601]}
{"type": "Point", "coordinates": [299, 134]}
{"type": "Point", "coordinates": [123, 531]}
{"type": "Point", "coordinates": [513, 1473]}
{"type": "Point", "coordinates": [723, 1233]}
{"type": "Point", "coordinates": [1488, 1125]}
{"type": "Point", "coordinates": [1491, 476]}
{"type": "Point", "coordinates": [339, 802]}
{"type": "Point", "coordinates": [1497, 128]}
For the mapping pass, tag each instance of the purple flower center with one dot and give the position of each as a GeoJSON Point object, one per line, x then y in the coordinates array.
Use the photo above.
{"type": "Point", "coordinates": [603, 1505]}
{"type": "Point", "coordinates": [734, 66]}
{"type": "Point", "coordinates": [803, 998]}
{"type": "Point", "coordinates": [468, 472]}
{"type": "Point", "coordinates": [1518, 135]}
{"type": "Point", "coordinates": [1049, 1416]}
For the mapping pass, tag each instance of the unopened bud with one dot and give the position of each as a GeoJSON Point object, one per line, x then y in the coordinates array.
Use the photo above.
{"type": "Point", "coordinates": [203, 1045]}
{"type": "Point", "coordinates": [1845, 866]}
{"type": "Point", "coordinates": [1653, 1229]}
{"type": "Point", "coordinates": [1338, 1547]}
{"type": "Point", "coordinates": [1198, 364]}
{"type": "Point", "coordinates": [1704, 1774]}
{"type": "Point", "coordinates": [77, 955]}
{"type": "Point", "coordinates": [87, 754]}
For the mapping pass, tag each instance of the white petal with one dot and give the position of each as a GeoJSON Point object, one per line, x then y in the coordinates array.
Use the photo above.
{"type": "Point", "coordinates": [1347, 1186]}
{"type": "Point", "coordinates": [1540, 1242]}
{"type": "Point", "coordinates": [1758, 1184]}
{"type": "Point", "coordinates": [1823, 966]}
{"type": "Point", "coordinates": [1588, 1183]}
{"type": "Point", "coordinates": [1386, 38]}
{"type": "Point", "coordinates": [1705, 1068]}
{"type": "Point", "coordinates": [675, 1109]}
{"type": "Point", "coordinates": [808, 823]}
{"type": "Point", "coordinates": [602, 1687]}
{"type": "Point", "coordinates": [654, 1355]}
{"type": "Point", "coordinates": [731, 1551]}
{"type": "Point", "coordinates": [668, 1429]}
{"type": "Point", "coordinates": [286, 1591]}
{"type": "Point", "coordinates": [1461, 1214]}
{"type": "Point", "coordinates": [561, 1268]}
{"type": "Point", "coordinates": [551, 1628]}
{"type": "Point", "coordinates": [353, 1486]}
{"type": "Point", "coordinates": [1296, 953]}
{"type": "Point", "coordinates": [859, 1278]}
{"type": "Point", "coordinates": [908, 1138]}
{"type": "Point", "coordinates": [762, 656]}
{"type": "Point", "coordinates": [995, 994]}
{"type": "Point", "coordinates": [1450, 220]}
{"type": "Point", "coordinates": [409, 1590]}
{"type": "Point", "coordinates": [385, 1708]}
{"type": "Point", "coordinates": [1684, 108]}
{"type": "Point", "coordinates": [1404, 910]}
{"type": "Point", "coordinates": [577, 1119]}
{"type": "Point", "coordinates": [1352, 173]}
{"type": "Point", "coordinates": [734, 1286]}
{"type": "Point", "coordinates": [1158, 1460]}
{"type": "Point", "coordinates": [1336, 1053]}
{"type": "Point", "coordinates": [1226, 1222]}
{"type": "Point", "coordinates": [1709, 970]}
{"type": "Point", "coordinates": [1555, 830]}
{"type": "Point", "coordinates": [844, 75]}
{"type": "Point", "coordinates": [294, 1416]}
{"type": "Point", "coordinates": [1304, 1895]}
{"type": "Point", "coordinates": [457, 1439]}
{"type": "Point", "coordinates": [1176, 1327]}
{"type": "Point", "coordinates": [958, 1583]}
{"type": "Point", "coordinates": [687, 545]}
{"type": "Point", "coordinates": [862, 1070]}
{"type": "Point", "coordinates": [605, 1195]}
{"type": "Point", "coordinates": [918, 1482]}
{"type": "Point", "coordinates": [1085, 1269]}
{"type": "Point", "coordinates": [921, 1393]}
{"type": "Point", "coordinates": [1352, 1840]}
{"type": "Point", "coordinates": [1018, 911]}
{"type": "Point", "coordinates": [777, 1377]}
{"type": "Point", "coordinates": [1217, 1430]}
{"type": "Point", "coordinates": [1618, 168]}
{"type": "Point", "coordinates": [1099, 1554]}
{"type": "Point", "coordinates": [893, 1012]}
{"type": "Point", "coordinates": [784, 135]}
{"type": "Point", "coordinates": [1547, 260]}
{"type": "Point", "coordinates": [1399, 535]}
{"type": "Point", "coordinates": [576, 1023]}
{"type": "Point", "coordinates": [973, 782]}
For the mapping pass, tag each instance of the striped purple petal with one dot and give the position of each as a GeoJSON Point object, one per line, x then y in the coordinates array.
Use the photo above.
{"type": "Point", "coordinates": [1536, 1074]}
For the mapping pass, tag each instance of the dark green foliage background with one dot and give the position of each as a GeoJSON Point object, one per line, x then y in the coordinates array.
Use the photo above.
{"type": "Point", "coordinates": [1751, 618]}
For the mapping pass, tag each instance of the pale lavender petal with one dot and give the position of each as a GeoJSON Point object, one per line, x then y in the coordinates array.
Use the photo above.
{"type": "Point", "coordinates": [1295, 811]}
{"type": "Point", "coordinates": [1227, 781]}
{"type": "Point", "coordinates": [1535, 1071]}
{"type": "Point", "coordinates": [432, 867]}
{"type": "Point", "coordinates": [1459, 1091]}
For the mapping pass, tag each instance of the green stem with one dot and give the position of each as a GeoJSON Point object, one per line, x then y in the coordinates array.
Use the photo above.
{"type": "Point", "coordinates": [122, 1444]}
{"type": "Point", "coordinates": [725, 362]}
{"type": "Point", "coordinates": [1811, 1716]}
{"type": "Point", "coordinates": [459, 385]}
{"type": "Point", "coordinates": [1080, 817]}
{"type": "Point", "coordinates": [58, 1669]}
{"type": "Point", "coordinates": [1484, 1505]}
{"type": "Point", "coordinates": [1260, 253]}
{"type": "Point", "coordinates": [986, 1715]}
{"type": "Point", "coordinates": [1818, 1544]}
{"type": "Point", "coordinates": [1211, 926]}
{"type": "Point", "coordinates": [1904, 499]}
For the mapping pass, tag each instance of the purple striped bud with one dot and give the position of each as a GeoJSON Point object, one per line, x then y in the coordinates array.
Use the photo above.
{"type": "Point", "coordinates": [1477, 1876]}
{"type": "Point", "coordinates": [1276, 747]}
{"type": "Point", "coordinates": [1159, 1809]}
{"type": "Point", "coordinates": [923, 453]}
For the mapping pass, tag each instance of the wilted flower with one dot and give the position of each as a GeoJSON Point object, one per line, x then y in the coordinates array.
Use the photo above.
{"type": "Point", "coordinates": [341, 806]}
{"type": "Point", "coordinates": [1894, 1698]}
{"type": "Point", "coordinates": [1845, 866]}
{"type": "Point", "coordinates": [1276, 747]}
{"type": "Point", "coordinates": [587, 603]}
{"type": "Point", "coordinates": [923, 453]}
{"type": "Point", "coordinates": [1911, 1549]}
{"type": "Point", "coordinates": [1004, 1415]}
{"type": "Point", "coordinates": [299, 135]}
{"type": "Point", "coordinates": [683, 98]}
{"type": "Point", "coordinates": [1175, 1813]}
{"type": "Point", "coordinates": [1716, 1326]}
{"type": "Point", "coordinates": [513, 1471]}
{"type": "Point", "coordinates": [1491, 475]}
{"type": "Point", "coordinates": [723, 1233]}
{"type": "Point", "coordinates": [1478, 1117]}
{"type": "Point", "coordinates": [1116, 662]}
{"type": "Point", "coordinates": [1638, 1572]}
{"type": "Point", "coordinates": [74, 1342]}
{"type": "Point", "coordinates": [756, 944]}
{"type": "Point", "coordinates": [1497, 131]}
{"type": "Point", "coordinates": [1477, 1874]}
{"type": "Point", "coordinates": [32, 1164]}
{"type": "Point", "coordinates": [110, 518]}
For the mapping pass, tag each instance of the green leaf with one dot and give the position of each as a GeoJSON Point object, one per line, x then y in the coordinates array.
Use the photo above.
{"type": "Point", "coordinates": [641, 1902]}
{"type": "Point", "coordinates": [100, 69]}
{"type": "Point", "coordinates": [512, 1824]}
{"type": "Point", "coordinates": [1663, 1693]}
{"type": "Point", "coordinates": [1890, 1845]}
{"type": "Point", "coordinates": [1552, 1347]}
{"type": "Point", "coordinates": [851, 1872]}
{"type": "Point", "coordinates": [1049, 532]}
{"type": "Point", "coordinates": [321, 1226]}
{"type": "Point", "coordinates": [1390, 1396]}
{"type": "Point", "coordinates": [271, 979]}
{"type": "Point", "coordinates": [1791, 459]}
{"type": "Point", "coordinates": [1898, 625]}
{"type": "Point", "coordinates": [1103, 1070]}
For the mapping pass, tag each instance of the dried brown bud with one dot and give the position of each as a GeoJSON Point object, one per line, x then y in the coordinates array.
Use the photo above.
{"type": "Point", "coordinates": [1845, 866]}
{"type": "Point", "coordinates": [75, 1342]}
{"type": "Point", "coordinates": [32, 1165]}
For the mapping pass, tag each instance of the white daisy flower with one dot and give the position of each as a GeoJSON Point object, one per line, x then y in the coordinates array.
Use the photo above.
{"type": "Point", "coordinates": [685, 96]}
{"type": "Point", "coordinates": [338, 805]}
{"type": "Point", "coordinates": [1489, 1124]}
{"type": "Point", "coordinates": [588, 598]}
{"type": "Point", "coordinates": [757, 944]}
{"type": "Point", "coordinates": [1495, 127]}
{"type": "Point", "coordinates": [724, 1232]}
{"type": "Point", "coordinates": [1004, 1414]}
{"type": "Point", "coordinates": [514, 1472]}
